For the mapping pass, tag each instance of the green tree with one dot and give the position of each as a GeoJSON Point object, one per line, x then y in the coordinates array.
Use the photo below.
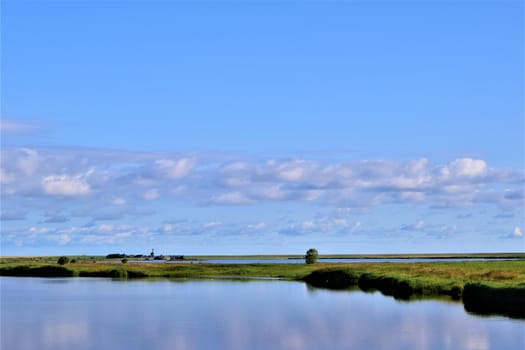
{"type": "Point", "coordinates": [311, 256]}
{"type": "Point", "coordinates": [63, 260]}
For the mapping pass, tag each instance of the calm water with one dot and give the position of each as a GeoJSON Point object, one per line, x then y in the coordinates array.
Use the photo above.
{"type": "Point", "coordinates": [346, 261]}
{"type": "Point", "coordinates": [81, 313]}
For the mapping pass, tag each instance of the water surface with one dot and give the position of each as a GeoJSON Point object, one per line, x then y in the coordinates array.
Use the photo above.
{"type": "Point", "coordinates": [346, 260]}
{"type": "Point", "coordinates": [84, 313]}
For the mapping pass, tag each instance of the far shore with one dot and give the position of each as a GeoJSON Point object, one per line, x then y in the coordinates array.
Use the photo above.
{"type": "Point", "coordinates": [496, 255]}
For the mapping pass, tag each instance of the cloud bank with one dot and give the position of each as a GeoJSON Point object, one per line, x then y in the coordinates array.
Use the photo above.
{"type": "Point", "coordinates": [125, 177]}
{"type": "Point", "coordinates": [52, 191]}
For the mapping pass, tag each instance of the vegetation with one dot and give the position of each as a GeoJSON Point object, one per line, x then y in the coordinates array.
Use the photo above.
{"type": "Point", "coordinates": [485, 299]}
{"type": "Point", "coordinates": [63, 260]}
{"type": "Point", "coordinates": [311, 256]}
{"type": "Point", "coordinates": [37, 271]}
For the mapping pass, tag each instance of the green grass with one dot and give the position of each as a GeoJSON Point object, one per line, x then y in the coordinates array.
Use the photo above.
{"type": "Point", "coordinates": [444, 274]}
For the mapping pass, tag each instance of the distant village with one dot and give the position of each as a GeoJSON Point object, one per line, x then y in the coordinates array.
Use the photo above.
{"type": "Point", "coordinates": [151, 256]}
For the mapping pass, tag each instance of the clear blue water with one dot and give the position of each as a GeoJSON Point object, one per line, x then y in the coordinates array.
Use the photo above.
{"type": "Point", "coordinates": [84, 313]}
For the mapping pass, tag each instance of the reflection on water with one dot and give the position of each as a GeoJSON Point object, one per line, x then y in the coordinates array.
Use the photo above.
{"type": "Point", "coordinates": [103, 314]}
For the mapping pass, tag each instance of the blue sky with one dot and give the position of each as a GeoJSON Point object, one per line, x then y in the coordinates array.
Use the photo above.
{"type": "Point", "coordinates": [249, 127]}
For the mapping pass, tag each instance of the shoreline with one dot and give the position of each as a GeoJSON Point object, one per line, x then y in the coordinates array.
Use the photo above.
{"type": "Point", "coordinates": [495, 255]}
{"type": "Point", "coordinates": [488, 287]}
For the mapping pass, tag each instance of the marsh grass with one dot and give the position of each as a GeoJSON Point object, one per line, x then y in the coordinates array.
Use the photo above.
{"type": "Point", "coordinates": [420, 276]}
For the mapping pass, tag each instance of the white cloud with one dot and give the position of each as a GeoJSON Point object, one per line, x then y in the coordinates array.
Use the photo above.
{"type": "Point", "coordinates": [518, 232]}
{"type": "Point", "coordinates": [212, 224]}
{"type": "Point", "coordinates": [11, 126]}
{"type": "Point", "coordinates": [65, 185]}
{"type": "Point", "coordinates": [28, 161]}
{"type": "Point", "coordinates": [118, 201]}
{"type": "Point", "coordinates": [235, 167]}
{"type": "Point", "coordinates": [117, 181]}
{"type": "Point", "coordinates": [105, 228]}
{"type": "Point", "coordinates": [39, 230]}
{"type": "Point", "coordinates": [308, 225]}
{"type": "Point", "coordinates": [176, 169]}
{"type": "Point", "coordinates": [235, 181]}
{"type": "Point", "coordinates": [168, 228]}
{"type": "Point", "coordinates": [343, 212]}
{"type": "Point", "coordinates": [5, 177]}
{"type": "Point", "coordinates": [274, 192]}
{"type": "Point", "coordinates": [420, 224]}
{"type": "Point", "coordinates": [232, 198]}
{"type": "Point", "coordinates": [61, 239]}
{"type": "Point", "coordinates": [257, 227]}
{"type": "Point", "coordinates": [340, 222]}
{"type": "Point", "coordinates": [152, 194]}
{"type": "Point", "coordinates": [356, 227]}
{"type": "Point", "coordinates": [419, 166]}
{"type": "Point", "coordinates": [292, 173]}
{"type": "Point", "coordinates": [468, 167]}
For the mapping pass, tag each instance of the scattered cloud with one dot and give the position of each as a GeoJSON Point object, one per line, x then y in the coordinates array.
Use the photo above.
{"type": "Point", "coordinates": [343, 184]}
{"type": "Point", "coordinates": [257, 227]}
{"type": "Point", "coordinates": [308, 225]}
{"type": "Point", "coordinates": [419, 225]}
{"type": "Point", "coordinates": [356, 227]}
{"type": "Point", "coordinates": [231, 198]}
{"type": "Point", "coordinates": [518, 232]}
{"type": "Point", "coordinates": [9, 126]}
{"type": "Point", "coordinates": [152, 194]}
{"type": "Point", "coordinates": [212, 224]}
{"type": "Point", "coordinates": [168, 228]}
{"type": "Point", "coordinates": [466, 167]}
{"type": "Point", "coordinates": [118, 201]}
{"type": "Point", "coordinates": [28, 161]}
{"type": "Point", "coordinates": [65, 185]}
{"type": "Point", "coordinates": [106, 185]}
{"type": "Point", "coordinates": [176, 169]}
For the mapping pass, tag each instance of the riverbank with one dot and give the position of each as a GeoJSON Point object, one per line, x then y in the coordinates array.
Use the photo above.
{"type": "Point", "coordinates": [494, 287]}
{"type": "Point", "coordinates": [488, 287]}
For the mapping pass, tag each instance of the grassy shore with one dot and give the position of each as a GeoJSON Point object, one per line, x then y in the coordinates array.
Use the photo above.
{"type": "Point", "coordinates": [484, 286]}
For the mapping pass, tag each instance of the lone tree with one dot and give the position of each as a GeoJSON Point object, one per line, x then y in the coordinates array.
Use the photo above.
{"type": "Point", "coordinates": [63, 260]}
{"type": "Point", "coordinates": [311, 256]}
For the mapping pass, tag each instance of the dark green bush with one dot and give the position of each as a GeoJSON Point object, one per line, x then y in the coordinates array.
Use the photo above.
{"type": "Point", "coordinates": [41, 271]}
{"type": "Point", "coordinates": [333, 279]}
{"type": "Point", "coordinates": [63, 260]}
{"type": "Point", "coordinates": [483, 299]}
{"type": "Point", "coordinates": [118, 273]}
{"type": "Point", "coordinates": [311, 256]}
